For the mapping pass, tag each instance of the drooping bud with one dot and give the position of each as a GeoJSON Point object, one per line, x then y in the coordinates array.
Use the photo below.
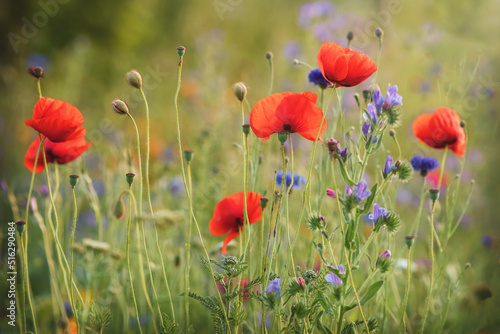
{"type": "Point", "coordinates": [269, 55]}
{"type": "Point", "coordinates": [119, 208]}
{"type": "Point", "coordinates": [282, 136]}
{"type": "Point", "coordinates": [119, 106]}
{"type": "Point", "coordinates": [130, 178]}
{"type": "Point", "coordinates": [240, 91]}
{"type": "Point", "coordinates": [73, 180]}
{"type": "Point", "coordinates": [434, 194]}
{"type": "Point", "coordinates": [36, 71]}
{"type": "Point", "coordinates": [367, 95]}
{"type": "Point", "coordinates": [463, 124]}
{"type": "Point", "coordinates": [392, 132]}
{"type": "Point", "coordinates": [181, 51]}
{"type": "Point", "coordinates": [134, 79]}
{"type": "Point", "coordinates": [188, 155]}
{"type": "Point", "coordinates": [20, 226]}
{"type": "Point", "coordinates": [356, 97]}
{"type": "Point", "coordinates": [379, 32]}
{"type": "Point", "coordinates": [263, 203]}
{"type": "Point", "coordinates": [409, 241]}
{"type": "Point", "coordinates": [296, 62]}
{"type": "Point", "coordinates": [246, 129]}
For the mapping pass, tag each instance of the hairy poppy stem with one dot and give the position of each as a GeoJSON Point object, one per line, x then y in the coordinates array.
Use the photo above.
{"type": "Point", "coordinates": [188, 193]}
{"type": "Point", "coordinates": [147, 151]}
{"type": "Point", "coordinates": [128, 258]}
{"type": "Point", "coordinates": [271, 81]}
{"type": "Point", "coordinates": [290, 256]}
{"type": "Point", "coordinates": [139, 162]}
{"type": "Point", "coordinates": [431, 283]}
{"type": "Point", "coordinates": [188, 246]}
{"type": "Point", "coordinates": [402, 322]}
{"type": "Point", "coordinates": [39, 89]}
{"type": "Point", "coordinates": [75, 216]}
{"type": "Point", "coordinates": [443, 162]}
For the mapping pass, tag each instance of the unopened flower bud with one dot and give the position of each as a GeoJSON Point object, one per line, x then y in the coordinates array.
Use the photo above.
{"type": "Point", "coordinates": [287, 160]}
{"type": "Point", "coordinates": [467, 265]}
{"type": "Point", "coordinates": [119, 208]}
{"type": "Point", "coordinates": [73, 180]}
{"type": "Point", "coordinates": [246, 129]}
{"type": "Point", "coordinates": [181, 51]}
{"type": "Point", "coordinates": [434, 194]}
{"type": "Point", "coordinates": [463, 124]}
{"type": "Point", "coordinates": [20, 226]}
{"type": "Point", "coordinates": [350, 36]}
{"type": "Point", "coordinates": [331, 193]}
{"type": "Point", "coordinates": [120, 107]}
{"type": "Point", "coordinates": [134, 79]}
{"type": "Point", "coordinates": [333, 145]}
{"type": "Point", "coordinates": [386, 254]}
{"type": "Point", "coordinates": [397, 164]}
{"type": "Point", "coordinates": [130, 178]}
{"type": "Point", "coordinates": [367, 95]}
{"type": "Point", "coordinates": [356, 97]}
{"type": "Point", "coordinates": [392, 132]}
{"type": "Point", "coordinates": [296, 62]}
{"type": "Point", "coordinates": [409, 241]}
{"type": "Point", "coordinates": [282, 136]}
{"type": "Point", "coordinates": [188, 155]}
{"type": "Point", "coordinates": [379, 32]}
{"type": "Point", "coordinates": [263, 203]}
{"type": "Point", "coordinates": [36, 71]}
{"type": "Point", "coordinates": [302, 283]}
{"type": "Point", "coordinates": [269, 55]}
{"type": "Point", "coordinates": [240, 91]}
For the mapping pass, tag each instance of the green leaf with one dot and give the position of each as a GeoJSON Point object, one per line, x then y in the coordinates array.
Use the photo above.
{"type": "Point", "coordinates": [370, 200]}
{"type": "Point", "coordinates": [371, 292]}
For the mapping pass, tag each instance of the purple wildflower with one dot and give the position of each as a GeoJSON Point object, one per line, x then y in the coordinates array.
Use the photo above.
{"type": "Point", "coordinates": [274, 286]}
{"type": "Point", "coordinates": [386, 254]}
{"type": "Point", "coordinates": [388, 168]}
{"type": "Point", "coordinates": [317, 78]}
{"type": "Point", "coordinates": [391, 99]}
{"type": "Point", "coordinates": [365, 128]}
{"type": "Point", "coordinates": [334, 279]}
{"type": "Point", "coordinates": [348, 190]}
{"type": "Point", "coordinates": [361, 191]}
{"type": "Point", "coordinates": [343, 153]}
{"type": "Point", "coordinates": [331, 193]}
{"type": "Point", "coordinates": [372, 117]}
{"type": "Point", "coordinates": [378, 213]}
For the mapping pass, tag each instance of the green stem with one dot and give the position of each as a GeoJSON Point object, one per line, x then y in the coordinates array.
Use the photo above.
{"type": "Point", "coordinates": [407, 292]}
{"type": "Point", "coordinates": [140, 165]}
{"type": "Point", "coordinates": [431, 283]}
{"type": "Point", "coordinates": [147, 151]}
{"type": "Point", "coordinates": [354, 289]}
{"type": "Point", "coordinates": [271, 82]}
{"type": "Point", "coordinates": [188, 246]}
{"type": "Point", "coordinates": [416, 224]}
{"type": "Point", "coordinates": [39, 89]}
{"type": "Point", "coordinates": [290, 255]}
{"type": "Point", "coordinates": [128, 259]}
{"type": "Point", "coordinates": [72, 300]}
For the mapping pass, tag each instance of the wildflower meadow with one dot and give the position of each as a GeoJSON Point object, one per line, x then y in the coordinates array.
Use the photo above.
{"type": "Point", "coordinates": [231, 166]}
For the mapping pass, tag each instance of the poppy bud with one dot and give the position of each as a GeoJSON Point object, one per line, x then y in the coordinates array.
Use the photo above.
{"type": "Point", "coordinates": [287, 160]}
{"type": "Point", "coordinates": [20, 226]}
{"type": "Point", "coordinates": [181, 51]}
{"type": "Point", "coordinates": [350, 36]}
{"type": "Point", "coordinates": [73, 180]}
{"type": "Point", "coordinates": [188, 155]}
{"type": "Point", "coordinates": [296, 62]}
{"type": "Point", "coordinates": [379, 32]}
{"type": "Point", "coordinates": [409, 241]}
{"type": "Point", "coordinates": [130, 178]}
{"type": "Point", "coordinates": [246, 129]}
{"type": "Point", "coordinates": [263, 203]}
{"type": "Point", "coordinates": [467, 265]}
{"type": "Point", "coordinates": [463, 124]}
{"type": "Point", "coordinates": [356, 97]}
{"type": "Point", "coordinates": [134, 79]}
{"type": "Point", "coordinates": [119, 208]}
{"type": "Point", "coordinates": [392, 132]}
{"type": "Point", "coordinates": [269, 55]}
{"type": "Point", "coordinates": [367, 95]}
{"type": "Point", "coordinates": [240, 91]}
{"type": "Point", "coordinates": [36, 71]}
{"type": "Point", "coordinates": [120, 107]}
{"type": "Point", "coordinates": [434, 194]}
{"type": "Point", "coordinates": [282, 136]}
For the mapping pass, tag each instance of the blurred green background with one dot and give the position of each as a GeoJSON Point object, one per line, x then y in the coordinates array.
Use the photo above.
{"type": "Point", "coordinates": [443, 53]}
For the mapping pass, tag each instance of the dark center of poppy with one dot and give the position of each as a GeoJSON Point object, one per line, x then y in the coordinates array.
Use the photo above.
{"type": "Point", "coordinates": [287, 127]}
{"type": "Point", "coordinates": [239, 221]}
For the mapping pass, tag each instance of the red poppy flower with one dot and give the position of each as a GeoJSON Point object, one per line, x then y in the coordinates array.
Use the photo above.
{"type": "Point", "coordinates": [228, 215]}
{"type": "Point", "coordinates": [344, 66]}
{"type": "Point", "coordinates": [63, 152]}
{"type": "Point", "coordinates": [55, 119]}
{"type": "Point", "coordinates": [287, 112]}
{"type": "Point", "coordinates": [439, 129]}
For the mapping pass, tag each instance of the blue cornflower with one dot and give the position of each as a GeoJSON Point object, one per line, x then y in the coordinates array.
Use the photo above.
{"type": "Point", "coordinates": [298, 180]}
{"type": "Point", "coordinates": [391, 99]}
{"type": "Point", "coordinates": [361, 191]}
{"type": "Point", "coordinates": [378, 213]}
{"type": "Point", "coordinates": [486, 241]}
{"type": "Point", "coordinates": [334, 279]}
{"type": "Point", "coordinates": [274, 286]}
{"type": "Point", "coordinates": [388, 168]}
{"type": "Point", "coordinates": [317, 78]}
{"type": "Point", "coordinates": [424, 164]}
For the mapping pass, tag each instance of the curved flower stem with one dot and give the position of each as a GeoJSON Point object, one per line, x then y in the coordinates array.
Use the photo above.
{"type": "Point", "coordinates": [72, 300]}
{"type": "Point", "coordinates": [308, 181]}
{"type": "Point", "coordinates": [128, 260]}
{"type": "Point", "coordinates": [348, 262]}
{"type": "Point", "coordinates": [271, 82]}
{"type": "Point", "coordinates": [188, 193]}
{"type": "Point", "coordinates": [246, 220]}
{"type": "Point", "coordinates": [147, 151]}
{"type": "Point", "coordinates": [402, 322]}
{"type": "Point", "coordinates": [139, 162]}
{"type": "Point", "coordinates": [431, 284]}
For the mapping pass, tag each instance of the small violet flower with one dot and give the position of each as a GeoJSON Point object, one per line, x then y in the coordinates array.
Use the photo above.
{"type": "Point", "coordinates": [298, 180]}
{"type": "Point", "coordinates": [274, 286]}
{"type": "Point", "coordinates": [361, 191]}
{"type": "Point", "coordinates": [365, 128]}
{"type": "Point", "coordinates": [372, 115]}
{"type": "Point", "coordinates": [378, 213]}
{"type": "Point", "coordinates": [391, 99]}
{"type": "Point", "coordinates": [424, 164]}
{"type": "Point", "coordinates": [334, 279]}
{"type": "Point", "coordinates": [385, 255]}
{"type": "Point", "coordinates": [388, 168]}
{"type": "Point", "coordinates": [317, 78]}
{"type": "Point", "coordinates": [343, 153]}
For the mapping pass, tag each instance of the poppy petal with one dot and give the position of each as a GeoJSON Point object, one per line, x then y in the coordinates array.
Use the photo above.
{"type": "Point", "coordinates": [30, 156]}
{"type": "Point", "coordinates": [263, 120]}
{"type": "Point", "coordinates": [232, 235]}
{"type": "Point", "coordinates": [360, 68]}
